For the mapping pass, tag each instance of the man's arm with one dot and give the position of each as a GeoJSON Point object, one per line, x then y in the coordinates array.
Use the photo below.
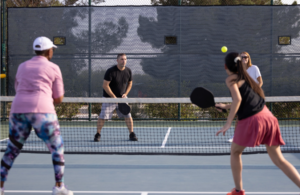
{"type": "Point", "coordinates": [128, 89]}
{"type": "Point", "coordinates": [107, 89]}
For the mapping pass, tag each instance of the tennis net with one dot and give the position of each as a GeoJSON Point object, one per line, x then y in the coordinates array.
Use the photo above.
{"type": "Point", "coordinates": [162, 125]}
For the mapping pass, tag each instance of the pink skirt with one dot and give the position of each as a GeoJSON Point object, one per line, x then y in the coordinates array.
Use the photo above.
{"type": "Point", "coordinates": [261, 128]}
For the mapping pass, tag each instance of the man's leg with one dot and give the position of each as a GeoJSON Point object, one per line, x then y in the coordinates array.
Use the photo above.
{"type": "Point", "coordinates": [100, 124]}
{"type": "Point", "coordinates": [129, 123]}
{"type": "Point", "coordinates": [106, 113]}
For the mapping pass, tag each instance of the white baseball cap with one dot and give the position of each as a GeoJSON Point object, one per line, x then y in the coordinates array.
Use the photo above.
{"type": "Point", "coordinates": [42, 43]}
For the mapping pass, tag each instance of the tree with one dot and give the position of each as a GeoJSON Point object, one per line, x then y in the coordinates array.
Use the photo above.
{"type": "Point", "coordinates": [32, 3]}
{"type": "Point", "coordinates": [49, 3]}
{"type": "Point", "coordinates": [211, 2]}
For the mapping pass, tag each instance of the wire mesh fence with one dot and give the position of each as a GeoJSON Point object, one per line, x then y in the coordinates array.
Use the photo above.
{"type": "Point", "coordinates": [94, 36]}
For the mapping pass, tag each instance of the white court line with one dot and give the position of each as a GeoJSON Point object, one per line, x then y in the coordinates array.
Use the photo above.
{"type": "Point", "coordinates": [166, 138]}
{"type": "Point", "coordinates": [3, 139]}
{"type": "Point", "coordinates": [168, 147]}
{"type": "Point", "coordinates": [146, 193]}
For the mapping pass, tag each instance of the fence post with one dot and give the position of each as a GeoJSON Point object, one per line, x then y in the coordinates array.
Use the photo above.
{"type": "Point", "coordinates": [179, 83]}
{"type": "Point", "coordinates": [3, 62]}
{"type": "Point", "coordinates": [3, 47]}
{"type": "Point", "coordinates": [90, 62]}
{"type": "Point", "coordinates": [271, 60]}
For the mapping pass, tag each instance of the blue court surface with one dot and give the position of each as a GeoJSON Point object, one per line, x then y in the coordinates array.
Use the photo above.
{"type": "Point", "coordinates": [149, 174]}
{"type": "Point", "coordinates": [164, 138]}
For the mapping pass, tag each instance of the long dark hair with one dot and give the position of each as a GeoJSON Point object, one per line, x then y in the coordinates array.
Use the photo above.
{"type": "Point", "coordinates": [234, 64]}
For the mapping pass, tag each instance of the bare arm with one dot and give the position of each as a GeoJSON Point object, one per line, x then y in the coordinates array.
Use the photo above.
{"type": "Point", "coordinates": [220, 106]}
{"type": "Point", "coordinates": [128, 89]}
{"type": "Point", "coordinates": [260, 81]}
{"type": "Point", "coordinates": [236, 101]}
{"type": "Point", "coordinates": [58, 100]}
{"type": "Point", "coordinates": [107, 89]}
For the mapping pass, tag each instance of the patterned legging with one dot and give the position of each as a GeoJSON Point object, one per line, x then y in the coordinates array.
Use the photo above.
{"type": "Point", "coordinates": [46, 128]}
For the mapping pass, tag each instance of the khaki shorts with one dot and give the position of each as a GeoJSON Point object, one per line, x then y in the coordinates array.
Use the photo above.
{"type": "Point", "coordinates": [107, 110]}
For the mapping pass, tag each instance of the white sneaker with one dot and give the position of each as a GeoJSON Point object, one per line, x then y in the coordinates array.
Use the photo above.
{"type": "Point", "coordinates": [2, 191]}
{"type": "Point", "coordinates": [61, 191]}
{"type": "Point", "coordinates": [230, 140]}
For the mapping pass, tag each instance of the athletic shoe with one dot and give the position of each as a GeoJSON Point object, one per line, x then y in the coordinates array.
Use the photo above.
{"type": "Point", "coordinates": [233, 192]}
{"type": "Point", "coordinates": [2, 191]}
{"type": "Point", "coordinates": [97, 137]}
{"type": "Point", "coordinates": [230, 140]}
{"type": "Point", "coordinates": [132, 137]}
{"type": "Point", "coordinates": [62, 190]}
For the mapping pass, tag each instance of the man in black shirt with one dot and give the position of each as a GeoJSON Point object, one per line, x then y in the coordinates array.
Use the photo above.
{"type": "Point", "coordinates": [117, 84]}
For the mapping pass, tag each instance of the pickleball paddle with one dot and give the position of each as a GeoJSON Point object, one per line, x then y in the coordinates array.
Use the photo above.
{"type": "Point", "coordinates": [203, 98]}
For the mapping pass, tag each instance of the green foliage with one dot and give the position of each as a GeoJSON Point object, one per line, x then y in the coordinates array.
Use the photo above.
{"type": "Point", "coordinates": [48, 3]}
{"type": "Point", "coordinates": [186, 112]}
{"type": "Point", "coordinates": [285, 109]}
{"type": "Point", "coordinates": [33, 3]}
{"type": "Point", "coordinates": [295, 3]}
{"type": "Point", "coordinates": [5, 109]}
{"type": "Point", "coordinates": [68, 110]}
{"type": "Point", "coordinates": [211, 2]}
{"type": "Point", "coordinates": [96, 108]}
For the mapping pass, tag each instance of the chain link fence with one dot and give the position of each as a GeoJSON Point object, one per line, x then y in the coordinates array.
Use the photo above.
{"type": "Point", "coordinates": [170, 49]}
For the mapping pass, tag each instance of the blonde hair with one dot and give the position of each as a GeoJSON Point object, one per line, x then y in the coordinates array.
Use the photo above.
{"type": "Point", "coordinates": [234, 64]}
{"type": "Point", "coordinates": [249, 58]}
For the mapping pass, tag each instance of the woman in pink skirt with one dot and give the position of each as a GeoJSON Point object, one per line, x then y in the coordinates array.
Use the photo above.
{"type": "Point", "coordinates": [256, 124]}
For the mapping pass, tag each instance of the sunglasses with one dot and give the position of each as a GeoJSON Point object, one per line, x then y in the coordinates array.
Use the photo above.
{"type": "Point", "coordinates": [244, 57]}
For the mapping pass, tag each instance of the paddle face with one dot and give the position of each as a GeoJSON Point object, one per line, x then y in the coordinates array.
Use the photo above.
{"type": "Point", "coordinates": [202, 98]}
{"type": "Point", "coordinates": [124, 108]}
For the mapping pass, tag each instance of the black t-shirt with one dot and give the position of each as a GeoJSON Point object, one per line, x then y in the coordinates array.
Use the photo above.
{"type": "Point", "coordinates": [118, 80]}
{"type": "Point", "coordinates": [251, 103]}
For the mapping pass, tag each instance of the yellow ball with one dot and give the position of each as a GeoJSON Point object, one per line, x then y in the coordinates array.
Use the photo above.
{"type": "Point", "coordinates": [3, 76]}
{"type": "Point", "coordinates": [224, 49]}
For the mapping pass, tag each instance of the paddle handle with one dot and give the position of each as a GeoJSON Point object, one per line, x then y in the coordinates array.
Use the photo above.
{"type": "Point", "coordinates": [223, 110]}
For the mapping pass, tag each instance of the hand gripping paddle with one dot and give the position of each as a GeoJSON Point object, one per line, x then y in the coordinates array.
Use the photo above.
{"type": "Point", "coordinates": [203, 98]}
{"type": "Point", "coordinates": [124, 108]}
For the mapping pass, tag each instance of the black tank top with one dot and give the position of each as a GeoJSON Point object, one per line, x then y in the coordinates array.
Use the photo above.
{"type": "Point", "coordinates": [251, 103]}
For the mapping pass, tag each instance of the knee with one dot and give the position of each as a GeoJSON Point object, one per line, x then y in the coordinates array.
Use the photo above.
{"type": "Point", "coordinates": [236, 153]}
{"type": "Point", "coordinates": [279, 161]}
